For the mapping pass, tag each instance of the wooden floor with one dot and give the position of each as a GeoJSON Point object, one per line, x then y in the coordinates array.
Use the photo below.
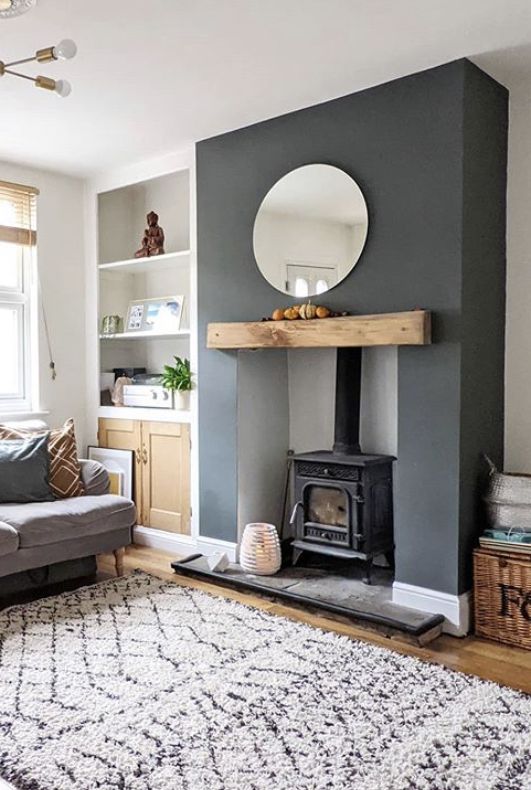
{"type": "Point", "coordinates": [509, 666]}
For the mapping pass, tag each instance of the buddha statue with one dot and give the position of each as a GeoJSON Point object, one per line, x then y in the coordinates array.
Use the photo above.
{"type": "Point", "coordinates": [153, 239]}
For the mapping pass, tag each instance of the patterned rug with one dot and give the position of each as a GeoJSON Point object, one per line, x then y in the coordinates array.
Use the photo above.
{"type": "Point", "coordinates": [139, 684]}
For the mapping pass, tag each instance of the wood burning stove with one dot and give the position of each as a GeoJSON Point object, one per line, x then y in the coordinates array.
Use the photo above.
{"type": "Point", "coordinates": [344, 498]}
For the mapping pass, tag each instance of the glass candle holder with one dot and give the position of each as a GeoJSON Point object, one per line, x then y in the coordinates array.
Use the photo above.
{"type": "Point", "coordinates": [260, 549]}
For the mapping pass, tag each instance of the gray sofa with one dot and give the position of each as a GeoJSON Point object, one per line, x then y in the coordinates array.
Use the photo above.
{"type": "Point", "coordinates": [41, 534]}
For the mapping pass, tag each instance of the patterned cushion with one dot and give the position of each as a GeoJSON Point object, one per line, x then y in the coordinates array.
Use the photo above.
{"type": "Point", "coordinates": [65, 470]}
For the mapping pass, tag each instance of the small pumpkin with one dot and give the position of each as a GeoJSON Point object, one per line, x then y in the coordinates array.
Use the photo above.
{"type": "Point", "coordinates": [291, 314]}
{"type": "Point", "coordinates": [322, 312]}
{"type": "Point", "coordinates": [308, 311]}
{"type": "Point", "coordinates": [278, 314]}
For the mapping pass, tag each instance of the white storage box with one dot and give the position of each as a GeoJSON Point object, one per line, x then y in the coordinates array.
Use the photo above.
{"type": "Point", "coordinates": [153, 396]}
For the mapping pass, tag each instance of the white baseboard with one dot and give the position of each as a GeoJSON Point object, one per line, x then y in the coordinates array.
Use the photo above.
{"type": "Point", "coordinates": [182, 544]}
{"type": "Point", "coordinates": [455, 608]}
{"type": "Point", "coordinates": [164, 541]}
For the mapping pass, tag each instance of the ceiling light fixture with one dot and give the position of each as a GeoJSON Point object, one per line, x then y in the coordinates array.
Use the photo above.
{"type": "Point", "coordinates": [10, 8]}
{"type": "Point", "coordinates": [65, 50]}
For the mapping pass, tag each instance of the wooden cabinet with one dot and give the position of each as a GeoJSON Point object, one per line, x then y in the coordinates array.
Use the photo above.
{"type": "Point", "coordinates": [124, 435]}
{"type": "Point", "coordinates": [162, 469]}
{"type": "Point", "coordinates": [166, 476]}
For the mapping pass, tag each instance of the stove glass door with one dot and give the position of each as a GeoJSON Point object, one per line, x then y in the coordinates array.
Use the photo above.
{"type": "Point", "coordinates": [328, 506]}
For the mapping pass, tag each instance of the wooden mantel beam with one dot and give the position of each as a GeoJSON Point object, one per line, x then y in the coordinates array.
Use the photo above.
{"type": "Point", "coordinates": [411, 328]}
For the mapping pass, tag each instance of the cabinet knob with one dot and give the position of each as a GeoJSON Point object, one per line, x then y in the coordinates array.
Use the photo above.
{"type": "Point", "coordinates": [144, 455]}
{"type": "Point", "coordinates": [138, 455]}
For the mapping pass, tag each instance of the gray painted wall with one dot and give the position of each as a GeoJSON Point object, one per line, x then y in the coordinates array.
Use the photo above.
{"type": "Point", "coordinates": [483, 299]}
{"type": "Point", "coordinates": [429, 152]}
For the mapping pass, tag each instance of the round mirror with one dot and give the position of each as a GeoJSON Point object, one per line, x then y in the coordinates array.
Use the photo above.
{"type": "Point", "coordinates": [310, 230]}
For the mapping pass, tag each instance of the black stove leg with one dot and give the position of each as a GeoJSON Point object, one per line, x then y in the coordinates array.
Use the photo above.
{"type": "Point", "coordinates": [296, 556]}
{"type": "Point", "coordinates": [390, 557]}
{"type": "Point", "coordinates": [368, 571]}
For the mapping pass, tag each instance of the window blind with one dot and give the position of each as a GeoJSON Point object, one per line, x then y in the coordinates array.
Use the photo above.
{"type": "Point", "coordinates": [18, 214]}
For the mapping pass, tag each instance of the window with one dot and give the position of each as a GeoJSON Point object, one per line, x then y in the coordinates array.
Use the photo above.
{"type": "Point", "coordinates": [17, 295]}
{"type": "Point", "coordinates": [302, 286]}
{"type": "Point", "coordinates": [307, 278]}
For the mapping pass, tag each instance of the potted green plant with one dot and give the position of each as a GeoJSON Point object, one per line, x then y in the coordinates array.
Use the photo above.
{"type": "Point", "coordinates": [178, 379]}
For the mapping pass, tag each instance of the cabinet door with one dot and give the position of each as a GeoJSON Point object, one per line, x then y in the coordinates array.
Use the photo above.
{"type": "Point", "coordinates": [124, 435]}
{"type": "Point", "coordinates": [166, 476]}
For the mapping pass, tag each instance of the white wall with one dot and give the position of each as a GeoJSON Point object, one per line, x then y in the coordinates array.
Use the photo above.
{"type": "Point", "coordinates": [518, 331]}
{"type": "Point", "coordinates": [122, 216]}
{"type": "Point", "coordinates": [60, 232]}
{"type": "Point", "coordinates": [169, 198]}
{"type": "Point", "coordinates": [263, 435]}
{"type": "Point", "coordinates": [312, 380]}
{"type": "Point", "coordinates": [379, 400]}
{"type": "Point", "coordinates": [116, 291]}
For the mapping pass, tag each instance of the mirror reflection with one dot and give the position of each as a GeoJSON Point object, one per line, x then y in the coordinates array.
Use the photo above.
{"type": "Point", "coordinates": [310, 230]}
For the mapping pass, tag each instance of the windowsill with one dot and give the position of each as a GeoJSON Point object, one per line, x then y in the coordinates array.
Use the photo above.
{"type": "Point", "coordinates": [17, 416]}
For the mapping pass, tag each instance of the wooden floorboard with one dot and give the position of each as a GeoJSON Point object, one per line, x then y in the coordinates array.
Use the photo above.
{"type": "Point", "coordinates": [508, 666]}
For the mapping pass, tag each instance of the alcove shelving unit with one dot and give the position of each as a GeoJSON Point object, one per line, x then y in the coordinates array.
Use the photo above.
{"type": "Point", "coordinates": [165, 465]}
{"type": "Point", "coordinates": [124, 278]}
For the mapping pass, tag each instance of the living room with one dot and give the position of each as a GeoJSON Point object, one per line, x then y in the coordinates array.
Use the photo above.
{"type": "Point", "coordinates": [265, 510]}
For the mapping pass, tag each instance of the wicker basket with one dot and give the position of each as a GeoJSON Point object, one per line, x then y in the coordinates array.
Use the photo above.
{"type": "Point", "coordinates": [508, 500]}
{"type": "Point", "coordinates": [502, 597]}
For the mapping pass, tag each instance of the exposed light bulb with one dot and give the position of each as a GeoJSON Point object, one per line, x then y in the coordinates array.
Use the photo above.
{"type": "Point", "coordinates": [65, 49]}
{"type": "Point", "coordinates": [5, 5]}
{"type": "Point", "coordinates": [63, 88]}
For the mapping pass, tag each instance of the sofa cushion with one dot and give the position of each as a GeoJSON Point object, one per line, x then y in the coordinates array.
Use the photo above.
{"type": "Point", "coordinates": [8, 539]}
{"type": "Point", "coordinates": [40, 523]}
{"type": "Point", "coordinates": [65, 471]}
{"type": "Point", "coordinates": [24, 470]}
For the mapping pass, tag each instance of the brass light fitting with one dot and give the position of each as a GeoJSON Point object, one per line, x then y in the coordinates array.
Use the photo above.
{"type": "Point", "coordinates": [65, 50]}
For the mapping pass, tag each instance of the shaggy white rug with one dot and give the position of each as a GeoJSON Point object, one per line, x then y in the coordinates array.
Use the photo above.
{"type": "Point", "coordinates": [141, 684]}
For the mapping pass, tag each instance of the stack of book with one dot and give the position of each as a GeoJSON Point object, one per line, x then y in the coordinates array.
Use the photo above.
{"type": "Point", "coordinates": [511, 541]}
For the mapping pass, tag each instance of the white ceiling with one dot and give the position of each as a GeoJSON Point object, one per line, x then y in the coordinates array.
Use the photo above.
{"type": "Point", "coordinates": [151, 77]}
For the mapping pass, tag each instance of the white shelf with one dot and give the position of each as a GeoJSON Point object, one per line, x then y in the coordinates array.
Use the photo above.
{"type": "Point", "coordinates": [144, 413]}
{"type": "Point", "coordinates": [141, 265]}
{"type": "Point", "coordinates": [184, 333]}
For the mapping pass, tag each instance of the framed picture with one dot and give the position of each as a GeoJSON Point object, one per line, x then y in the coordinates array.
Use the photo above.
{"type": "Point", "coordinates": [116, 483]}
{"type": "Point", "coordinates": [159, 315]}
{"type": "Point", "coordinates": [119, 464]}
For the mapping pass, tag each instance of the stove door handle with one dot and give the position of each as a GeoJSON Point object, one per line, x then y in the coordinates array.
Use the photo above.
{"type": "Point", "coordinates": [293, 516]}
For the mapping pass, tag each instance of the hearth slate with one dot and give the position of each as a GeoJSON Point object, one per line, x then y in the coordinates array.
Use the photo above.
{"type": "Point", "coordinates": [338, 590]}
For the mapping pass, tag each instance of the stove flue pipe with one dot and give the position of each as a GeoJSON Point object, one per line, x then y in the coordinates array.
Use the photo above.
{"type": "Point", "coordinates": [348, 401]}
